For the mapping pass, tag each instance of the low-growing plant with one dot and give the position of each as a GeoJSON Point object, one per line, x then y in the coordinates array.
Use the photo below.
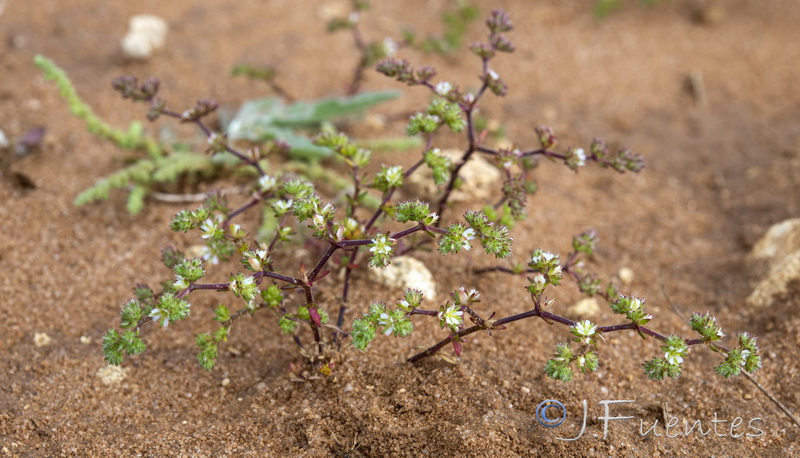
{"type": "Point", "coordinates": [350, 235]}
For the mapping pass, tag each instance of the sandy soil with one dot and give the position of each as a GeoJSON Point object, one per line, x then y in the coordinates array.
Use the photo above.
{"type": "Point", "coordinates": [719, 174]}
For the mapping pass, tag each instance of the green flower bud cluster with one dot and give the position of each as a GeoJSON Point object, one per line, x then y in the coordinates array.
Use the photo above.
{"type": "Point", "coordinates": [309, 208]}
{"type": "Point", "coordinates": [559, 367]}
{"type": "Point", "coordinates": [707, 326]}
{"type": "Point", "coordinates": [458, 237]}
{"type": "Point", "coordinates": [586, 242]}
{"type": "Point", "coordinates": [187, 220]}
{"type": "Point", "coordinates": [439, 165]}
{"type": "Point", "coordinates": [209, 346]}
{"type": "Point", "coordinates": [341, 145]}
{"type": "Point", "coordinates": [493, 236]}
{"type": "Point", "coordinates": [414, 210]}
{"type": "Point", "coordinates": [675, 349]}
{"type": "Point", "coordinates": [187, 272]}
{"type": "Point", "coordinates": [745, 356]}
{"type": "Point", "coordinates": [633, 308]}
{"type": "Point", "coordinates": [548, 266]}
{"type": "Point", "coordinates": [296, 188]}
{"type": "Point", "coordinates": [449, 113]}
{"type": "Point", "coordinates": [396, 322]}
{"type": "Point", "coordinates": [244, 286]}
{"type": "Point", "coordinates": [389, 178]}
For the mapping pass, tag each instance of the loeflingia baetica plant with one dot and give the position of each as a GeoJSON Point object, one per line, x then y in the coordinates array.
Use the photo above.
{"type": "Point", "coordinates": [350, 235]}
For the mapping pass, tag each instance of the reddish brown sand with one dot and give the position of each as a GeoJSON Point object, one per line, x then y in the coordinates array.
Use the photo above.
{"type": "Point", "coordinates": [718, 175]}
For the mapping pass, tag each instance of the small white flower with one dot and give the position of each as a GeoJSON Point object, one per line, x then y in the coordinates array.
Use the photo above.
{"type": "Point", "coordinates": [180, 283]}
{"type": "Point", "coordinates": [389, 47]}
{"type": "Point", "coordinates": [381, 245]}
{"type": "Point", "coordinates": [209, 228]}
{"type": "Point", "coordinates": [319, 221]}
{"type": "Point", "coordinates": [635, 304]}
{"type": "Point", "coordinates": [493, 75]}
{"type": "Point", "coordinates": [467, 235]}
{"type": "Point", "coordinates": [394, 175]}
{"type": "Point", "coordinates": [209, 255]}
{"type": "Point", "coordinates": [585, 328]}
{"type": "Point", "coordinates": [266, 183]}
{"type": "Point", "coordinates": [581, 361]}
{"type": "Point", "coordinates": [580, 155]}
{"type": "Point", "coordinates": [387, 321]}
{"type": "Point", "coordinates": [160, 315]}
{"type": "Point", "coordinates": [745, 354]}
{"type": "Point", "coordinates": [469, 97]}
{"type": "Point", "coordinates": [282, 206]}
{"type": "Point", "coordinates": [673, 358]}
{"type": "Point", "coordinates": [451, 316]}
{"type": "Point", "coordinates": [443, 88]}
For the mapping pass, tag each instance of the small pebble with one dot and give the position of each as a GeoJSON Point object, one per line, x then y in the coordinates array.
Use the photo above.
{"type": "Point", "coordinates": [41, 339]}
{"type": "Point", "coordinates": [111, 375]}
{"type": "Point", "coordinates": [225, 382]}
{"type": "Point", "coordinates": [86, 340]}
{"type": "Point", "coordinates": [146, 33]}
{"type": "Point", "coordinates": [625, 275]}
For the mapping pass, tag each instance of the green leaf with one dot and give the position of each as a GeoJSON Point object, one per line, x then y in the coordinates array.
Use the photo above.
{"type": "Point", "coordinates": [270, 119]}
{"type": "Point", "coordinates": [136, 199]}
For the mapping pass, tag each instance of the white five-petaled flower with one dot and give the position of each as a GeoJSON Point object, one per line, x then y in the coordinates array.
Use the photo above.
{"type": "Point", "coordinates": [282, 206]}
{"type": "Point", "coordinates": [381, 245]}
{"type": "Point", "coordinates": [394, 176]}
{"type": "Point", "coordinates": [180, 282]}
{"type": "Point", "coordinates": [209, 228]}
{"type": "Point", "coordinates": [581, 361]}
{"type": "Point", "coordinates": [266, 182]}
{"type": "Point", "coordinates": [451, 316]}
{"type": "Point", "coordinates": [580, 155]}
{"type": "Point", "coordinates": [745, 354]}
{"type": "Point", "coordinates": [160, 315]}
{"type": "Point", "coordinates": [674, 356]}
{"type": "Point", "coordinates": [319, 221]}
{"type": "Point", "coordinates": [443, 88]}
{"type": "Point", "coordinates": [468, 235]}
{"type": "Point", "coordinates": [635, 304]}
{"type": "Point", "coordinates": [389, 47]}
{"type": "Point", "coordinates": [585, 328]}
{"type": "Point", "coordinates": [209, 255]}
{"type": "Point", "coordinates": [387, 321]}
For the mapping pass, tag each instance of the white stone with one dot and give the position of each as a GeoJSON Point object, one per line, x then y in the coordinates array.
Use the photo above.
{"type": "Point", "coordinates": [780, 240]}
{"type": "Point", "coordinates": [111, 375]}
{"type": "Point", "coordinates": [479, 179]}
{"type": "Point", "coordinates": [584, 308]}
{"type": "Point", "coordinates": [146, 33]}
{"type": "Point", "coordinates": [777, 253]}
{"type": "Point", "coordinates": [406, 272]}
{"type": "Point", "coordinates": [776, 283]}
{"type": "Point", "coordinates": [41, 339]}
{"type": "Point", "coordinates": [625, 275]}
